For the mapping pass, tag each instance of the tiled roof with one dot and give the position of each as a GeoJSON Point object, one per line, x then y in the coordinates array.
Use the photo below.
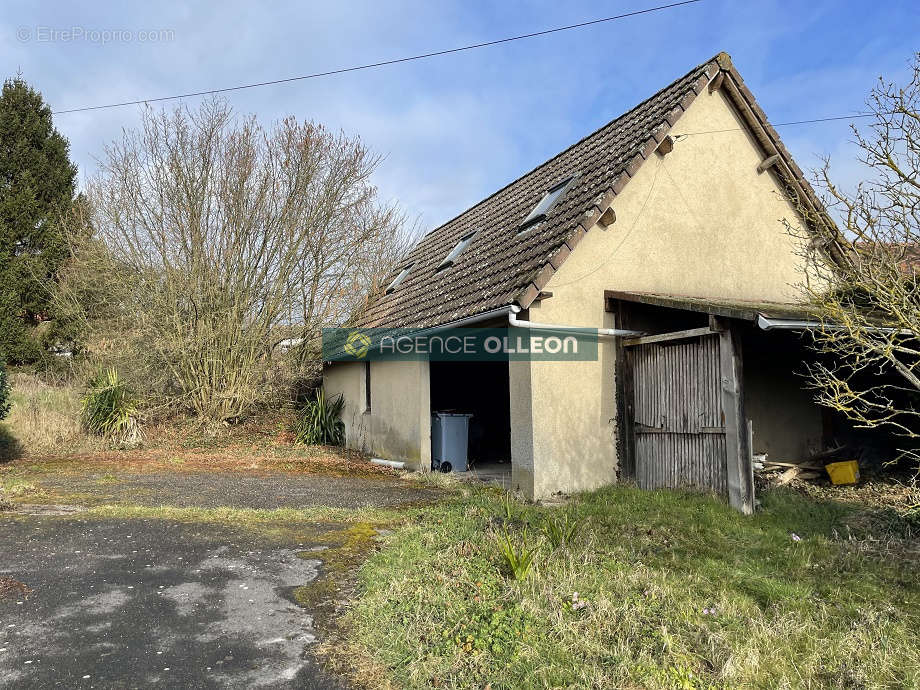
{"type": "Point", "coordinates": [502, 267]}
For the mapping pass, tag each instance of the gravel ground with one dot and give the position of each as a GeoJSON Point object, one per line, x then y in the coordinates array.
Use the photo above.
{"type": "Point", "coordinates": [149, 602]}
{"type": "Point", "coordinates": [243, 491]}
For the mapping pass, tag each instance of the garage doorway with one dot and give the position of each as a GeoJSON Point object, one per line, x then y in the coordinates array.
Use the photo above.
{"type": "Point", "coordinates": [480, 389]}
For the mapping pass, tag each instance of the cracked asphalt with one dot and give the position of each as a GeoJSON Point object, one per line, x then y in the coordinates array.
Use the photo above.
{"type": "Point", "coordinates": [130, 603]}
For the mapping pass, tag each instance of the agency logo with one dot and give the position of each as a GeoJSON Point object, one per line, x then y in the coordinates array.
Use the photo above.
{"type": "Point", "coordinates": [458, 344]}
{"type": "Point", "coordinates": [357, 344]}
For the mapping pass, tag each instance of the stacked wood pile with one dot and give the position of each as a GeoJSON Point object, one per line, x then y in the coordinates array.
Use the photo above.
{"type": "Point", "coordinates": [809, 469]}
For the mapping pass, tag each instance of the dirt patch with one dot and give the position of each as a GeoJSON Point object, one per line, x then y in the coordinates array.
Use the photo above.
{"type": "Point", "coordinates": [246, 459]}
{"type": "Point", "coordinates": [11, 588]}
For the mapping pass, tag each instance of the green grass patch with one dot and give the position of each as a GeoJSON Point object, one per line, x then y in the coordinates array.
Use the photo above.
{"type": "Point", "coordinates": [652, 590]}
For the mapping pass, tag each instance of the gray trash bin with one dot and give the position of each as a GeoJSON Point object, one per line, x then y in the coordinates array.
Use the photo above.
{"type": "Point", "coordinates": [450, 434]}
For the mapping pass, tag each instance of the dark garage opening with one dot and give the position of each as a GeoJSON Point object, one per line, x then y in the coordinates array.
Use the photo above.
{"type": "Point", "coordinates": [480, 389]}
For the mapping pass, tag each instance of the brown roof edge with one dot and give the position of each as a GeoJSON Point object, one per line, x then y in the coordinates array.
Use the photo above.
{"type": "Point", "coordinates": [542, 275]}
{"type": "Point", "coordinates": [789, 172]}
{"type": "Point", "coordinates": [745, 310]}
{"type": "Point", "coordinates": [743, 99]}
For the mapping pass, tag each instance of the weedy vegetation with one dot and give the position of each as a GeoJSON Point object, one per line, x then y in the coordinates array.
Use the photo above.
{"type": "Point", "coordinates": [561, 530]}
{"type": "Point", "coordinates": [44, 417]}
{"type": "Point", "coordinates": [659, 589]}
{"type": "Point", "coordinates": [319, 421]}
{"type": "Point", "coordinates": [517, 552]}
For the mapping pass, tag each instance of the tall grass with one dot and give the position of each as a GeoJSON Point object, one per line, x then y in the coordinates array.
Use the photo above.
{"type": "Point", "coordinates": [109, 410]}
{"type": "Point", "coordinates": [44, 417]}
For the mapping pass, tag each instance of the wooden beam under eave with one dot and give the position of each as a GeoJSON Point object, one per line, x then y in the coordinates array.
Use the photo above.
{"type": "Point", "coordinates": [668, 337]}
{"type": "Point", "coordinates": [768, 163]}
{"type": "Point", "coordinates": [666, 146]}
{"type": "Point", "coordinates": [607, 218]}
{"type": "Point", "coordinates": [716, 83]}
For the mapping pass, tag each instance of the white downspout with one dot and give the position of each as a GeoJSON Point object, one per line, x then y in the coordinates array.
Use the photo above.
{"type": "Point", "coordinates": [601, 332]}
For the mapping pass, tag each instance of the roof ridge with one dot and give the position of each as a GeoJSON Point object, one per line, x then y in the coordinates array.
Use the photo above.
{"type": "Point", "coordinates": [716, 58]}
{"type": "Point", "coordinates": [557, 255]}
{"type": "Point", "coordinates": [497, 273]}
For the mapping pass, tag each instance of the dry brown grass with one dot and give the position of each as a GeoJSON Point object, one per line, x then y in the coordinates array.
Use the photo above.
{"type": "Point", "coordinates": [45, 418]}
{"type": "Point", "coordinates": [43, 431]}
{"type": "Point", "coordinates": [250, 460]}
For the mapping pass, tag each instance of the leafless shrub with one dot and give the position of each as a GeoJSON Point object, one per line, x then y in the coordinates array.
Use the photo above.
{"type": "Point", "coordinates": [216, 248]}
{"type": "Point", "coordinates": [863, 273]}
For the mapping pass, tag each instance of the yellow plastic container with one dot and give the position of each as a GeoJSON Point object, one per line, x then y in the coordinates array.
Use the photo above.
{"type": "Point", "coordinates": [844, 472]}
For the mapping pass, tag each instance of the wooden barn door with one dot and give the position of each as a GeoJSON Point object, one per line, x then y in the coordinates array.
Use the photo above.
{"type": "Point", "coordinates": [681, 434]}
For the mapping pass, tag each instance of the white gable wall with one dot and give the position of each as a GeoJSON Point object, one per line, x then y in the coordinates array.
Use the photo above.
{"type": "Point", "coordinates": [700, 222]}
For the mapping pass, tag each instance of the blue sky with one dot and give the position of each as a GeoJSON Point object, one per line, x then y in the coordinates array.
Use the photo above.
{"type": "Point", "coordinates": [453, 129]}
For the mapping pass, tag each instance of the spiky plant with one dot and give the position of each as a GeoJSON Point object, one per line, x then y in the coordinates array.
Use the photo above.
{"type": "Point", "coordinates": [109, 410]}
{"type": "Point", "coordinates": [561, 530]}
{"type": "Point", "coordinates": [517, 555]}
{"type": "Point", "coordinates": [319, 421]}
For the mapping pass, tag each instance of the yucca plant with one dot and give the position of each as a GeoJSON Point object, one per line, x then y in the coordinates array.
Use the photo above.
{"type": "Point", "coordinates": [517, 555]}
{"type": "Point", "coordinates": [562, 530]}
{"type": "Point", "coordinates": [319, 421]}
{"type": "Point", "coordinates": [109, 410]}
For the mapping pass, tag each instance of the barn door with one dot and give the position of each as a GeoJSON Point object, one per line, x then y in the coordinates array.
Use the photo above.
{"type": "Point", "coordinates": [681, 435]}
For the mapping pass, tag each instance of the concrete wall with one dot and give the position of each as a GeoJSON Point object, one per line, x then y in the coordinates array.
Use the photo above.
{"type": "Point", "coordinates": [398, 426]}
{"type": "Point", "coordinates": [701, 222]}
{"type": "Point", "coordinates": [788, 424]}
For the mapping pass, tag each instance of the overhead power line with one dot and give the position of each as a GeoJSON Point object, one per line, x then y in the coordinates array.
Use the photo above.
{"type": "Point", "coordinates": [382, 63]}
{"type": "Point", "coordinates": [830, 118]}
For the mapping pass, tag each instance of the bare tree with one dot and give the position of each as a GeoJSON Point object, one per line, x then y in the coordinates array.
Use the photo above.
{"type": "Point", "coordinates": [863, 272]}
{"type": "Point", "coordinates": [215, 238]}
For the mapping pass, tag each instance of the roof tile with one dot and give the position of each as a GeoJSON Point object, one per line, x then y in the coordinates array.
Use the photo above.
{"type": "Point", "coordinates": [502, 265]}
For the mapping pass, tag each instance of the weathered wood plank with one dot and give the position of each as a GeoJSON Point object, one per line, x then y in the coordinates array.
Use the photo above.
{"type": "Point", "coordinates": [664, 337]}
{"type": "Point", "coordinates": [739, 465]}
{"type": "Point", "coordinates": [625, 397]}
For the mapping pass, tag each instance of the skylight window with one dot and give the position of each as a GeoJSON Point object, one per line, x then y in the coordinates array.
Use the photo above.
{"type": "Point", "coordinates": [547, 202]}
{"type": "Point", "coordinates": [460, 247]}
{"type": "Point", "coordinates": [400, 278]}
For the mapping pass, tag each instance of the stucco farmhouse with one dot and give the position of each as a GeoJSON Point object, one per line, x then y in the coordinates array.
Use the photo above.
{"type": "Point", "coordinates": [663, 230]}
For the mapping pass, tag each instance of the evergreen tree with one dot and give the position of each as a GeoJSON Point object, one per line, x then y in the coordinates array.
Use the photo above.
{"type": "Point", "coordinates": [5, 403]}
{"type": "Point", "coordinates": [37, 183]}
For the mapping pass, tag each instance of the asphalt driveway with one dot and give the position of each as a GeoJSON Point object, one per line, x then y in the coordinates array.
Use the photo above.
{"type": "Point", "coordinates": [140, 602]}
